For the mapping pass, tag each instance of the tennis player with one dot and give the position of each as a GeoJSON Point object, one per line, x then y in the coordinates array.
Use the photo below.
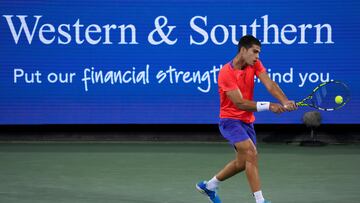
{"type": "Point", "coordinates": [236, 89]}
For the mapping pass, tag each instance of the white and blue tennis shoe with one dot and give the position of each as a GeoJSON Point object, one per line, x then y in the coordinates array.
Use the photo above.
{"type": "Point", "coordinates": [212, 195]}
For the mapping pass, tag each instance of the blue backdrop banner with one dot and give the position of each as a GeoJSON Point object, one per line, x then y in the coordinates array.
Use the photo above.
{"type": "Point", "coordinates": [109, 62]}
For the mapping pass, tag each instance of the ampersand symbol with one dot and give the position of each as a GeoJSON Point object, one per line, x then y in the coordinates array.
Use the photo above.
{"type": "Point", "coordinates": [159, 30]}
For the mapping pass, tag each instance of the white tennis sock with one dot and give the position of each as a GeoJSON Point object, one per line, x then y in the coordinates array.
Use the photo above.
{"type": "Point", "coordinates": [212, 184]}
{"type": "Point", "coordinates": [259, 197]}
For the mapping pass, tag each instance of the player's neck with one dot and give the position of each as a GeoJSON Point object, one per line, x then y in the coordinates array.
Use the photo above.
{"type": "Point", "coordinates": [238, 63]}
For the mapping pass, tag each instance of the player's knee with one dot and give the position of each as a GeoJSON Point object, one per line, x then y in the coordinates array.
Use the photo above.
{"type": "Point", "coordinates": [251, 155]}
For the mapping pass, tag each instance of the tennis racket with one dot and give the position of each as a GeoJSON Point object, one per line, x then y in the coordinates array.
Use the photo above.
{"type": "Point", "coordinates": [327, 96]}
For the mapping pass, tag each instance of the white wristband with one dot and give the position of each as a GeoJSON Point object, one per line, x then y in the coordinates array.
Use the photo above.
{"type": "Point", "coordinates": [262, 106]}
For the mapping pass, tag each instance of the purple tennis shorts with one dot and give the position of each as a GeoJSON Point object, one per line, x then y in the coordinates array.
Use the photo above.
{"type": "Point", "coordinates": [236, 131]}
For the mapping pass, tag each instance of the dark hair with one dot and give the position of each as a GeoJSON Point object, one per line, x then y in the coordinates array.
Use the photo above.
{"type": "Point", "coordinates": [248, 41]}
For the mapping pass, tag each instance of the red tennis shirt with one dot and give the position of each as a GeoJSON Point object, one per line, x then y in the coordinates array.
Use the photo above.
{"type": "Point", "coordinates": [231, 79]}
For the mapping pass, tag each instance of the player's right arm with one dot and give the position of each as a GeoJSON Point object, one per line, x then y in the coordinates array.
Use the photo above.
{"type": "Point", "coordinates": [247, 105]}
{"type": "Point", "coordinates": [236, 97]}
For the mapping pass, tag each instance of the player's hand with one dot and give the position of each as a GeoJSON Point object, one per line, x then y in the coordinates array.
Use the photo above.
{"type": "Point", "coordinates": [290, 105]}
{"type": "Point", "coordinates": [277, 108]}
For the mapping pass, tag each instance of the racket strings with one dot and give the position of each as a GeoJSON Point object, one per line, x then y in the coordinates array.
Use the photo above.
{"type": "Point", "coordinates": [325, 96]}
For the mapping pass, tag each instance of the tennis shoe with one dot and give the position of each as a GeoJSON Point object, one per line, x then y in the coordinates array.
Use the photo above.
{"type": "Point", "coordinates": [212, 195]}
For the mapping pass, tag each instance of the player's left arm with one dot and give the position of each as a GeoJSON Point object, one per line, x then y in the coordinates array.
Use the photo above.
{"type": "Point", "coordinates": [274, 89]}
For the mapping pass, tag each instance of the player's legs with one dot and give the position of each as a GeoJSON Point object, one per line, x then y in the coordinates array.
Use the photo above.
{"type": "Point", "coordinates": [235, 131]}
{"type": "Point", "coordinates": [243, 137]}
{"type": "Point", "coordinates": [246, 158]}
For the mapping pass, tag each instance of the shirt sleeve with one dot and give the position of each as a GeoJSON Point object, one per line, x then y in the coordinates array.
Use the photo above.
{"type": "Point", "coordinates": [259, 68]}
{"type": "Point", "coordinates": [226, 80]}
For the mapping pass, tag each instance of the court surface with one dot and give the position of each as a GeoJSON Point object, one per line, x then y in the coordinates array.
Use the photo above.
{"type": "Point", "coordinates": [168, 172]}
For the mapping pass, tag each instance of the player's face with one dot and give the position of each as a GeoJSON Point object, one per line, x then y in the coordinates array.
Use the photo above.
{"type": "Point", "coordinates": [251, 55]}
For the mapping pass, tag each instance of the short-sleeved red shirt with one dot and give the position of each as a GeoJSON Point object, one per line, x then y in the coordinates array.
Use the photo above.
{"type": "Point", "coordinates": [231, 79]}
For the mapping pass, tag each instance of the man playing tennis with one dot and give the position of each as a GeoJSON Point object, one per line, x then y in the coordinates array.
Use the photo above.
{"type": "Point", "coordinates": [236, 89]}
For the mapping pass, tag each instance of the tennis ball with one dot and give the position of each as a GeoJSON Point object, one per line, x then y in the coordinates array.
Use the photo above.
{"type": "Point", "coordinates": [338, 99]}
